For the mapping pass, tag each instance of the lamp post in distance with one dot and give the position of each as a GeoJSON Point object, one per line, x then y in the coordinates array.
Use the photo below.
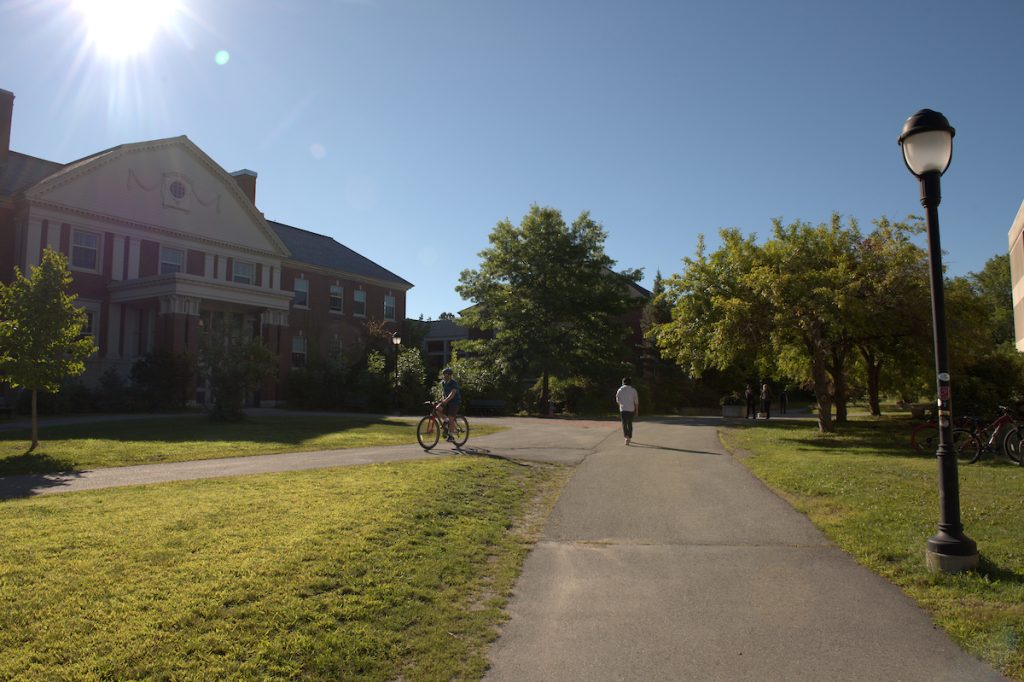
{"type": "Point", "coordinates": [927, 144]}
{"type": "Point", "coordinates": [396, 341]}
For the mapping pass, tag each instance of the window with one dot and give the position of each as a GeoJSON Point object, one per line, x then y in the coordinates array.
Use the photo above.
{"type": "Point", "coordinates": [242, 272]}
{"type": "Point", "coordinates": [171, 260]}
{"type": "Point", "coordinates": [301, 297]}
{"type": "Point", "coordinates": [92, 321]}
{"type": "Point", "coordinates": [85, 250]}
{"type": "Point", "coordinates": [389, 307]}
{"type": "Point", "coordinates": [359, 303]}
{"type": "Point", "coordinates": [334, 348]}
{"type": "Point", "coordinates": [298, 351]}
{"type": "Point", "coordinates": [337, 299]}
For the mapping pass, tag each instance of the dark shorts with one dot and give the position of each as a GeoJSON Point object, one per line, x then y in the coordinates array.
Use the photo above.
{"type": "Point", "coordinates": [451, 409]}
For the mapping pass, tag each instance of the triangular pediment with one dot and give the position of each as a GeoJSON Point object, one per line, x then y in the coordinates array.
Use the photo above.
{"type": "Point", "coordinates": [167, 185]}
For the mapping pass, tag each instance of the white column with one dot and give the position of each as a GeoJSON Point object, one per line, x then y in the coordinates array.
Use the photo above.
{"type": "Point", "coordinates": [134, 255]}
{"type": "Point", "coordinates": [117, 264]}
{"type": "Point", "coordinates": [32, 236]}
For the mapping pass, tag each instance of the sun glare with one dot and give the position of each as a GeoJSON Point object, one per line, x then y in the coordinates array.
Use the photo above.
{"type": "Point", "coordinates": [124, 28]}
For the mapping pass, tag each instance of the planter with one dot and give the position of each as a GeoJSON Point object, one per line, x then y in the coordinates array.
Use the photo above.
{"type": "Point", "coordinates": [732, 410]}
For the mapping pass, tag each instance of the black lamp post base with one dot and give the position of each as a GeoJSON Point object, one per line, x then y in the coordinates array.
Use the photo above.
{"type": "Point", "coordinates": [947, 553]}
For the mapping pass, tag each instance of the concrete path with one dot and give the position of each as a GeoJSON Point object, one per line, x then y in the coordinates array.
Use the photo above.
{"type": "Point", "coordinates": [665, 560]}
{"type": "Point", "coordinates": [668, 560]}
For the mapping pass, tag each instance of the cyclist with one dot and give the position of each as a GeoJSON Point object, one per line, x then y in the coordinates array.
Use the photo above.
{"type": "Point", "coordinates": [451, 398]}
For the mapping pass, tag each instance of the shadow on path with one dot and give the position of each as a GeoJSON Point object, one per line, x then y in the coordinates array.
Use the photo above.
{"type": "Point", "coordinates": [634, 444]}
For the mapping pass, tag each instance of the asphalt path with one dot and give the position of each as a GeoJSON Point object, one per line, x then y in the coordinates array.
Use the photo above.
{"type": "Point", "coordinates": [663, 560]}
{"type": "Point", "coordinates": [668, 560]}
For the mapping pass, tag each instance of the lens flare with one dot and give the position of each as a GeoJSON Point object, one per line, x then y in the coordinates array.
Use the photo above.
{"type": "Point", "coordinates": [222, 57]}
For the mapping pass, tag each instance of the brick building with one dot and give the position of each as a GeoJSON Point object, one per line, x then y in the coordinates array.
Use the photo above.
{"type": "Point", "coordinates": [163, 244]}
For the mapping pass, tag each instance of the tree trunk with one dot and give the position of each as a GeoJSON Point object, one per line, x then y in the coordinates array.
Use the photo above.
{"type": "Point", "coordinates": [35, 423]}
{"type": "Point", "coordinates": [545, 393]}
{"type": "Point", "coordinates": [820, 377]}
{"type": "Point", "coordinates": [839, 388]}
{"type": "Point", "coordinates": [874, 382]}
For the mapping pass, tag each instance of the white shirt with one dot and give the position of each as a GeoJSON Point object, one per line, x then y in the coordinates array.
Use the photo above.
{"type": "Point", "coordinates": [627, 398]}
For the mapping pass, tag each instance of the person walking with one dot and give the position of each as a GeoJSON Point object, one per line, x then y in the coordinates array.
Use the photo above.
{"type": "Point", "coordinates": [766, 400]}
{"type": "Point", "coordinates": [751, 398]}
{"type": "Point", "coordinates": [783, 401]}
{"type": "Point", "coordinates": [629, 406]}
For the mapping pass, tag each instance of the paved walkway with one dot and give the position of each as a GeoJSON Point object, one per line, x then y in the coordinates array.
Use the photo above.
{"type": "Point", "coordinates": [665, 560]}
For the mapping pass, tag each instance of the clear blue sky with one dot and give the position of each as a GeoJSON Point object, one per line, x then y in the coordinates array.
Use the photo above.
{"type": "Point", "coordinates": [407, 128]}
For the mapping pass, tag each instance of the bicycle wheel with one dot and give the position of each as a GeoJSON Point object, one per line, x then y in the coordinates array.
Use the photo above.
{"type": "Point", "coordinates": [427, 433]}
{"type": "Point", "coordinates": [966, 446]}
{"type": "Point", "coordinates": [461, 431]}
{"type": "Point", "coordinates": [925, 437]}
{"type": "Point", "coordinates": [1012, 444]}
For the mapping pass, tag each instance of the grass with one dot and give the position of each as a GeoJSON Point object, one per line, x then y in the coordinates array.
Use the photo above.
{"type": "Point", "coordinates": [878, 501]}
{"type": "Point", "coordinates": [381, 572]}
{"type": "Point", "coordinates": [188, 438]}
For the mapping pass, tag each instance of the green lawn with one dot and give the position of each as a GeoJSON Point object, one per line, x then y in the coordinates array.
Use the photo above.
{"type": "Point", "coordinates": [878, 501]}
{"type": "Point", "coordinates": [382, 572]}
{"type": "Point", "coordinates": [177, 439]}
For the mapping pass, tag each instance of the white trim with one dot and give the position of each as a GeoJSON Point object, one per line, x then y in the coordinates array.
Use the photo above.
{"type": "Point", "coordinates": [198, 287]}
{"type": "Point", "coordinates": [32, 254]}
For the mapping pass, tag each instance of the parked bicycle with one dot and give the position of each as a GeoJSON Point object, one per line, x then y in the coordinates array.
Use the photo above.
{"type": "Point", "coordinates": [1001, 436]}
{"type": "Point", "coordinates": [434, 426]}
{"type": "Point", "coordinates": [924, 437]}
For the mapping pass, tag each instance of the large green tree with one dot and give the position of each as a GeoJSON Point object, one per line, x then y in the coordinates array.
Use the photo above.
{"type": "Point", "coordinates": [890, 311]}
{"type": "Point", "coordinates": [41, 341]}
{"type": "Point", "coordinates": [548, 293]}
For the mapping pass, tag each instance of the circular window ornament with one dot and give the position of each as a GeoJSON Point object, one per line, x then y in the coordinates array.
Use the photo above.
{"type": "Point", "coordinates": [177, 189]}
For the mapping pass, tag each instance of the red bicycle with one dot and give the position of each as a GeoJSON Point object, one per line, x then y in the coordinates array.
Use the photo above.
{"type": "Point", "coordinates": [435, 425]}
{"type": "Point", "coordinates": [999, 437]}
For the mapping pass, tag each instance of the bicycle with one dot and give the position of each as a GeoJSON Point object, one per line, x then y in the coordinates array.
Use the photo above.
{"type": "Point", "coordinates": [970, 445]}
{"type": "Point", "coordinates": [434, 425]}
{"type": "Point", "coordinates": [924, 437]}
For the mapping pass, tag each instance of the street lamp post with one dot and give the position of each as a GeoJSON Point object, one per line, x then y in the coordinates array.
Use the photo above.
{"type": "Point", "coordinates": [396, 341]}
{"type": "Point", "coordinates": [927, 143]}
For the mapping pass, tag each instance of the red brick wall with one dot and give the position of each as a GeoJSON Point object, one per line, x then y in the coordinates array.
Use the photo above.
{"type": "Point", "coordinates": [149, 258]}
{"type": "Point", "coordinates": [195, 263]}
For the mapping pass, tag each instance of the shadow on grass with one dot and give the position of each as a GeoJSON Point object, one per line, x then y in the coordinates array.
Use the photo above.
{"type": "Point", "coordinates": [288, 429]}
{"type": "Point", "coordinates": [994, 572]}
{"type": "Point", "coordinates": [34, 463]}
{"type": "Point", "coordinates": [32, 473]}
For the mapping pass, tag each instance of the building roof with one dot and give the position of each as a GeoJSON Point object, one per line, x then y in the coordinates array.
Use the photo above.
{"type": "Point", "coordinates": [446, 329]}
{"type": "Point", "coordinates": [323, 251]}
{"type": "Point", "coordinates": [21, 171]}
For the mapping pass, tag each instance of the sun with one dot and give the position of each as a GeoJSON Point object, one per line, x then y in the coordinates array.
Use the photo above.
{"type": "Point", "coordinates": [124, 28]}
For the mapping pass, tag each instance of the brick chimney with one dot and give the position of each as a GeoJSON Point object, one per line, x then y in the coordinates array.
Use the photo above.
{"type": "Point", "coordinates": [6, 115]}
{"type": "Point", "coordinates": [246, 179]}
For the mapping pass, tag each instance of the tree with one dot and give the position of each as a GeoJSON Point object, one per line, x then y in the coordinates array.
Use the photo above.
{"type": "Point", "coordinates": [890, 311]}
{"type": "Point", "coordinates": [548, 293]}
{"type": "Point", "coordinates": [232, 366]}
{"type": "Point", "coordinates": [41, 339]}
{"type": "Point", "coordinates": [995, 289]}
{"type": "Point", "coordinates": [777, 308]}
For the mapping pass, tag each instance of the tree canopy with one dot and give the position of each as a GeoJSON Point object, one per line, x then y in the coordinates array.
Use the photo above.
{"type": "Point", "coordinates": [813, 302]}
{"type": "Point", "coordinates": [548, 293]}
{"type": "Point", "coordinates": [41, 340]}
